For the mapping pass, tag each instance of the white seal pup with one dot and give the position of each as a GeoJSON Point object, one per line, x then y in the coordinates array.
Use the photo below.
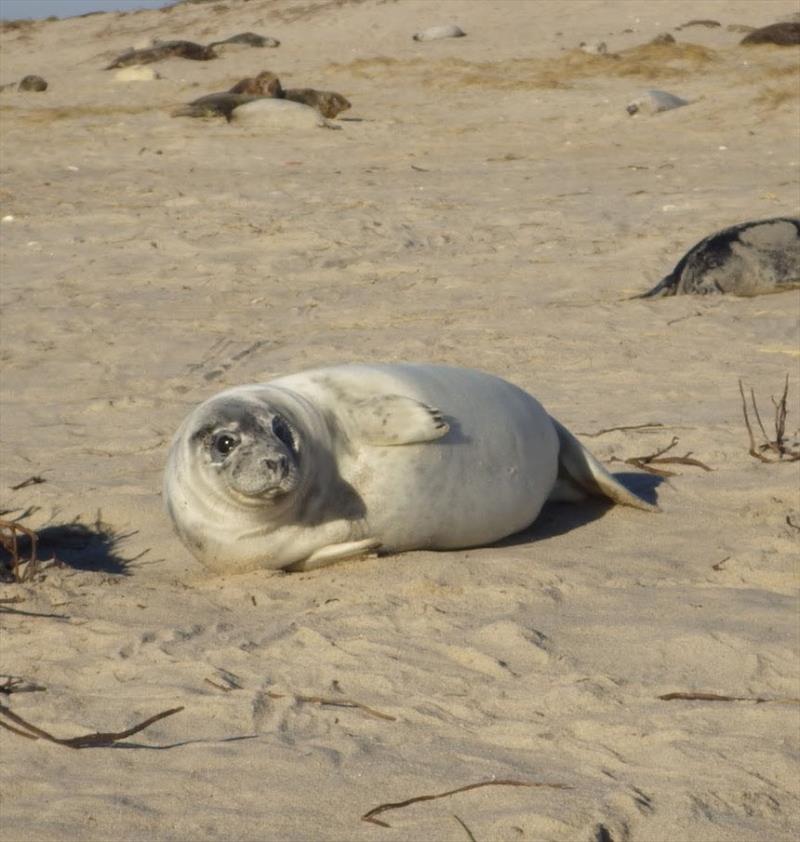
{"type": "Point", "coordinates": [654, 102]}
{"type": "Point", "coordinates": [335, 462]}
{"type": "Point", "coordinates": [274, 113]}
{"type": "Point", "coordinates": [436, 33]}
{"type": "Point", "coordinates": [751, 258]}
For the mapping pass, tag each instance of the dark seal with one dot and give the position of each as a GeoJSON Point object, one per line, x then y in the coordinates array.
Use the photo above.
{"type": "Point", "coordinates": [328, 103]}
{"type": "Point", "coordinates": [248, 39]}
{"type": "Point", "coordinates": [265, 84]}
{"type": "Point", "coordinates": [162, 50]}
{"type": "Point", "coordinates": [214, 105]}
{"type": "Point", "coordinates": [785, 34]}
{"type": "Point", "coordinates": [32, 83]}
{"type": "Point", "coordinates": [751, 258]}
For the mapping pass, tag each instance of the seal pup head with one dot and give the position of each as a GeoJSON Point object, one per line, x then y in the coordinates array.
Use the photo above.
{"type": "Point", "coordinates": [242, 450]}
{"type": "Point", "coordinates": [239, 469]}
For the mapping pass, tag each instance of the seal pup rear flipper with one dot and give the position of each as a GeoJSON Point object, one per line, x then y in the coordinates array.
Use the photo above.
{"type": "Point", "coordinates": [580, 472]}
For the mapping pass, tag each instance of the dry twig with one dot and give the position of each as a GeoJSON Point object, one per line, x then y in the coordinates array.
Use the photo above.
{"type": "Point", "coordinates": [396, 805]}
{"type": "Point", "coordinates": [646, 463]}
{"type": "Point", "coordinates": [778, 446]}
{"type": "Point", "coordinates": [96, 739]}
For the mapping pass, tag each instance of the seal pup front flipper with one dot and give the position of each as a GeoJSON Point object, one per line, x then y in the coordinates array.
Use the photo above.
{"type": "Point", "coordinates": [580, 471]}
{"type": "Point", "coordinates": [333, 553]}
{"type": "Point", "coordinates": [388, 420]}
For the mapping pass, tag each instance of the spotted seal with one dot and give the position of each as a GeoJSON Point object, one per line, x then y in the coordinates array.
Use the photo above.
{"type": "Point", "coordinates": [332, 463]}
{"type": "Point", "coordinates": [751, 258]}
{"type": "Point", "coordinates": [265, 84]}
{"type": "Point", "coordinates": [162, 50]}
{"type": "Point", "coordinates": [328, 103]}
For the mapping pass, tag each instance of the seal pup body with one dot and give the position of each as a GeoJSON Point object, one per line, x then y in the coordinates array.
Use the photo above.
{"type": "Point", "coordinates": [751, 258]}
{"type": "Point", "coordinates": [436, 33]}
{"type": "Point", "coordinates": [334, 462]}
{"type": "Point", "coordinates": [276, 113]}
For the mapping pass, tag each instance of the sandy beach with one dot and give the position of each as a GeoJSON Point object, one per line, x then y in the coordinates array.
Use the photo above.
{"type": "Point", "coordinates": [487, 202]}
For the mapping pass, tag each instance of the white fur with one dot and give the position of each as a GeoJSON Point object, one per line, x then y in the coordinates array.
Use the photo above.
{"type": "Point", "coordinates": [436, 33]}
{"type": "Point", "coordinates": [280, 114]}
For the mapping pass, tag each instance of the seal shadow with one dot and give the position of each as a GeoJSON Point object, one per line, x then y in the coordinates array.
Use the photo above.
{"type": "Point", "coordinates": [77, 545]}
{"type": "Point", "coordinates": [562, 517]}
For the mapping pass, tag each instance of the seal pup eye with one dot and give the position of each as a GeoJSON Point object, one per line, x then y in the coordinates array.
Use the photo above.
{"type": "Point", "coordinates": [223, 443]}
{"type": "Point", "coordinates": [283, 432]}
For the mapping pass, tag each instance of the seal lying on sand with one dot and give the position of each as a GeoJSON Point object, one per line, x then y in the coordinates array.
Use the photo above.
{"type": "Point", "coordinates": [784, 34]}
{"type": "Point", "coordinates": [335, 462]}
{"type": "Point", "coordinates": [214, 105]}
{"type": "Point", "coordinates": [328, 103]}
{"type": "Point", "coordinates": [33, 83]}
{"type": "Point", "coordinates": [436, 33]}
{"type": "Point", "coordinates": [747, 259]}
{"type": "Point", "coordinates": [274, 113]}
{"type": "Point", "coordinates": [162, 50]}
{"type": "Point", "coordinates": [654, 102]}
{"type": "Point", "coordinates": [265, 84]}
{"type": "Point", "coordinates": [248, 39]}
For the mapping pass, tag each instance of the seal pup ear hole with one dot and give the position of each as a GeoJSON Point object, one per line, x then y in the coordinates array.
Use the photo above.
{"type": "Point", "coordinates": [285, 434]}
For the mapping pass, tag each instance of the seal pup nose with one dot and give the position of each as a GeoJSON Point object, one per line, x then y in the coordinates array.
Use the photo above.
{"type": "Point", "coordinates": [277, 466]}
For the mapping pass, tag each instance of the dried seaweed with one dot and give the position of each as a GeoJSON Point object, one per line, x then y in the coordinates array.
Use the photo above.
{"type": "Point", "coordinates": [646, 463]}
{"type": "Point", "coordinates": [97, 739]}
{"type": "Point", "coordinates": [13, 684]}
{"type": "Point", "coordinates": [232, 681]}
{"type": "Point", "coordinates": [29, 481]}
{"type": "Point", "coordinates": [463, 824]}
{"type": "Point", "coordinates": [716, 697]}
{"type": "Point", "coordinates": [605, 430]}
{"type": "Point", "coordinates": [777, 448]}
{"type": "Point", "coordinates": [339, 703]}
{"type": "Point", "coordinates": [10, 532]}
{"type": "Point", "coordinates": [396, 805]}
